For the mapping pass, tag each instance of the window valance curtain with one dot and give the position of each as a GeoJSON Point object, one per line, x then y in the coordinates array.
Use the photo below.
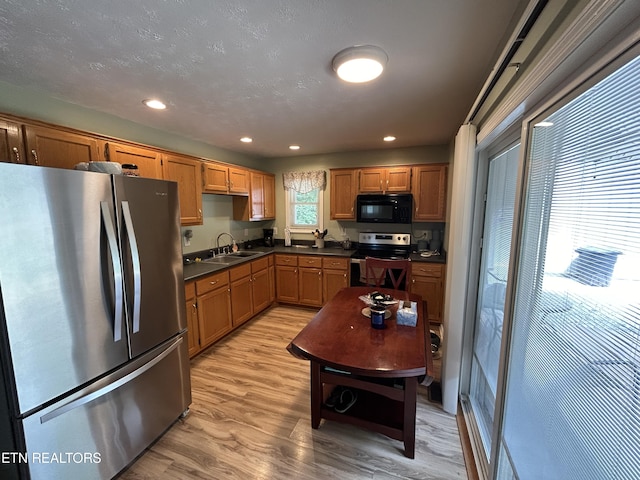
{"type": "Point", "coordinates": [304, 182]}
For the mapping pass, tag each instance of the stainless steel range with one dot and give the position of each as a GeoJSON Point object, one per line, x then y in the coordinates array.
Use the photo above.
{"type": "Point", "coordinates": [377, 245]}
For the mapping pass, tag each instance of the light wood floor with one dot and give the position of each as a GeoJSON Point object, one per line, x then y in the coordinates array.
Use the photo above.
{"type": "Point", "coordinates": [250, 419]}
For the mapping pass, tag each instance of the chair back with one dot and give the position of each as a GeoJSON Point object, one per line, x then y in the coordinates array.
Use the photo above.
{"type": "Point", "coordinates": [378, 268]}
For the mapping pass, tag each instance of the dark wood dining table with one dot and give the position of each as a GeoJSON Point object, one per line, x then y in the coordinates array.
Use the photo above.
{"type": "Point", "coordinates": [384, 366]}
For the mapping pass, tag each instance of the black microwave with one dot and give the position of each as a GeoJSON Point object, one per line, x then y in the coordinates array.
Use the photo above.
{"type": "Point", "coordinates": [388, 208]}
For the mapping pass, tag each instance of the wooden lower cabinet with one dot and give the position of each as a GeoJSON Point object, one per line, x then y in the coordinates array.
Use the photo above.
{"type": "Point", "coordinates": [214, 308]}
{"type": "Point", "coordinates": [260, 285]}
{"type": "Point", "coordinates": [241, 294]}
{"type": "Point", "coordinates": [193, 331]}
{"type": "Point", "coordinates": [336, 274]}
{"type": "Point", "coordinates": [272, 279]}
{"type": "Point", "coordinates": [250, 290]}
{"type": "Point", "coordinates": [427, 280]}
{"type": "Point", "coordinates": [310, 281]}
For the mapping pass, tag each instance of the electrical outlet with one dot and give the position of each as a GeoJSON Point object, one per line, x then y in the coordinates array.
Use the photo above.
{"type": "Point", "coordinates": [187, 241]}
{"type": "Point", "coordinates": [246, 232]}
{"type": "Point", "coordinates": [275, 230]}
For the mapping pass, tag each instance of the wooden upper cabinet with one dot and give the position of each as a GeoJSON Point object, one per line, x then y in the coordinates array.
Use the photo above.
{"type": "Point", "coordinates": [215, 178]}
{"type": "Point", "coordinates": [260, 204]}
{"type": "Point", "coordinates": [430, 193]}
{"type": "Point", "coordinates": [344, 186]}
{"type": "Point", "coordinates": [147, 160]}
{"type": "Point", "coordinates": [269, 196]}
{"type": "Point", "coordinates": [385, 180]}
{"type": "Point", "coordinates": [50, 147]}
{"type": "Point", "coordinates": [239, 181]}
{"type": "Point", "coordinates": [187, 172]}
{"type": "Point", "coordinates": [11, 144]}
{"type": "Point", "coordinates": [219, 178]}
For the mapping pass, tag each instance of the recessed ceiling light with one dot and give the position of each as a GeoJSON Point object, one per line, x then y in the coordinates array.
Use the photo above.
{"type": "Point", "coordinates": [389, 138]}
{"type": "Point", "coordinates": [246, 139]}
{"type": "Point", "coordinates": [155, 104]}
{"type": "Point", "coordinates": [360, 64]}
{"type": "Point", "coordinates": [294, 147]}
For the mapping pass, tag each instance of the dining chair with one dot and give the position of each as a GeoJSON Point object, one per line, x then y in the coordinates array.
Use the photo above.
{"type": "Point", "coordinates": [378, 268]}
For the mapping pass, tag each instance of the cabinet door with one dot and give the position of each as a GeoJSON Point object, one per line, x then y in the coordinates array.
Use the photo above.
{"type": "Point", "coordinates": [310, 286]}
{"type": "Point", "coordinates": [215, 178]}
{"type": "Point", "coordinates": [241, 300]}
{"type": "Point", "coordinates": [372, 180]}
{"type": "Point", "coordinates": [272, 283]}
{"type": "Point", "coordinates": [261, 290]}
{"type": "Point", "coordinates": [214, 315]}
{"type": "Point", "coordinates": [343, 194]}
{"type": "Point", "coordinates": [287, 284]}
{"type": "Point", "coordinates": [430, 193]}
{"type": "Point", "coordinates": [11, 145]}
{"type": "Point", "coordinates": [187, 172]}
{"type": "Point", "coordinates": [50, 147]}
{"type": "Point", "coordinates": [269, 196]}
{"type": "Point", "coordinates": [192, 327]}
{"type": "Point", "coordinates": [238, 181]}
{"type": "Point", "coordinates": [398, 180]}
{"type": "Point", "coordinates": [333, 281]}
{"type": "Point", "coordinates": [147, 159]}
{"type": "Point", "coordinates": [428, 282]}
{"type": "Point", "coordinates": [257, 196]}
{"type": "Point", "coordinates": [193, 335]}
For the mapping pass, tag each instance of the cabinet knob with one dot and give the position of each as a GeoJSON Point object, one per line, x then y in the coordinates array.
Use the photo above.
{"type": "Point", "coordinates": [15, 150]}
{"type": "Point", "coordinates": [34, 154]}
{"type": "Point", "coordinates": [214, 282]}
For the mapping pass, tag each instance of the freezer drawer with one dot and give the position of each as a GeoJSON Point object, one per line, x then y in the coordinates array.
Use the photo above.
{"type": "Point", "coordinates": [97, 432]}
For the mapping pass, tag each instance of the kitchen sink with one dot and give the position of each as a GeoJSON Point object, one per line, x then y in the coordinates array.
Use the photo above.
{"type": "Point", "coordinates": [244, 254]}
{"type": "Point", "coordinates": [224, 260]}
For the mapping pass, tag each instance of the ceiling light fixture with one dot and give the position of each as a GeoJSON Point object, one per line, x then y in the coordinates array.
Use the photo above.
{"type": "Point", "coordinates": [294, 147]}
{"type": "Point", "coordinates": [360, 64]}
{"type": "Point", "coordinates": [246, 139]}
{"type": "Point", "coordinates": [389, 138]}
{"type": "Point", "coordinates": [155, 104]}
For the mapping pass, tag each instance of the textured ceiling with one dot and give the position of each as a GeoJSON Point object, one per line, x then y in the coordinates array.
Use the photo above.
{"type": "Point", "coordinates": [261, 68]}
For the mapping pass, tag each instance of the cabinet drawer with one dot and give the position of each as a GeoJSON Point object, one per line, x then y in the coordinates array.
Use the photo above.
{"type": "Point", "coordinates": [426, 270]}
{"type": "Point", "coordinates": [212, 282]}
{"type": "Point", "coordinates": [240, 271]}
{"type": "Point", "coordinates": [189, 290]}
{"type": "Point", "coordinates": [336, 263]}
{"type": "Point", "coordinates": [288, 260]}
{"type": "Point", "coordinates": [308, 261]}
{"type": "Point", "coordinates": [260, 264]}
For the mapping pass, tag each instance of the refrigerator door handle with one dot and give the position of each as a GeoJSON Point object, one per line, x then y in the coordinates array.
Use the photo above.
{"type": "Point", "coordinates": [117, 270]}
{"type": "Point", "coordinates": [135, 257]}
{"type": "Point", "coordinates": [89, 397]}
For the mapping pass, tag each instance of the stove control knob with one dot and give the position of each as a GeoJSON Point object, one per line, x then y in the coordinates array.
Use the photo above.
{"type": "Point", "coordinates": [405, 239]}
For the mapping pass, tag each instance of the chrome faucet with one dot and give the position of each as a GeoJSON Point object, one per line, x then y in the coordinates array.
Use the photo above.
{"type": "Point", "coordinates": [227, 247]}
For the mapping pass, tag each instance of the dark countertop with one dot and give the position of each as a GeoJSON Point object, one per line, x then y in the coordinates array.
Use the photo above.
{"type": "Point", "coordinates": [199, 269]}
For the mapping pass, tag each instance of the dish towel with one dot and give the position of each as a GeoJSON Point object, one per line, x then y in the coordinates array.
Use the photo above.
{"type": "Point", "coordinates": [363, 273]}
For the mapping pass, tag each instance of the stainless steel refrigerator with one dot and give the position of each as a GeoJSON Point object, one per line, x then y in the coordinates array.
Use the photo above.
{"type": "Point", "coordinates": [94, 354]}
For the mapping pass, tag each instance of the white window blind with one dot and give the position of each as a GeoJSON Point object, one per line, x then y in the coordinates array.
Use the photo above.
{"type": "Point", "coordinates": [572, 404]}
